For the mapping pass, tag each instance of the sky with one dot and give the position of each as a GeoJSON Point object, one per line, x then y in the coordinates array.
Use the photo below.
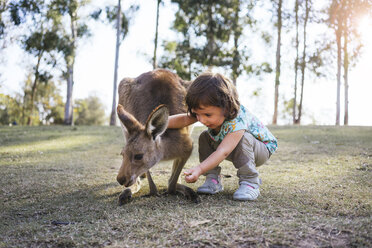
{"type": "Point", "coordinates": [95, 62]}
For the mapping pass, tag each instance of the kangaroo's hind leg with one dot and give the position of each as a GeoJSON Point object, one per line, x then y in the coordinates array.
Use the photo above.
{"type": "Point", "coordinates": [173, 185]}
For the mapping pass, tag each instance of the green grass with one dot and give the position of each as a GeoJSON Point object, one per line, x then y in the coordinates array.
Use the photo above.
{"type": "Point", "coordinates": [316, 192]}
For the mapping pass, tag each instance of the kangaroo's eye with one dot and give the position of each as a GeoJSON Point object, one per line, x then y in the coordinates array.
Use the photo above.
{"type": "Point", "coordinates": [138, 156]}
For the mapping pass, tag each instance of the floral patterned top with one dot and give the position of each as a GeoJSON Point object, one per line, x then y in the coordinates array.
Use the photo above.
{"type": "Point", "coordinates": [246, 120]}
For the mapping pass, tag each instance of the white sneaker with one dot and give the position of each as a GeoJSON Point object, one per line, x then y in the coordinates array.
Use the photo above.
{"type": "Point", "coordinates": [211, 186]}
{"type": "Point", "coordinates": [246, 192]}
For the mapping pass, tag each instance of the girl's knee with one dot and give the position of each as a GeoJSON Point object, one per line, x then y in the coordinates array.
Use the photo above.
{"type": "Point", "coordinates": [203, 137]}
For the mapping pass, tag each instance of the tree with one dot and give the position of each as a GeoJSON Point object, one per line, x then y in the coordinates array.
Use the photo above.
{"type": "Point", "coordinates": [342, 19]}
{"type": "Point", "coordinates": [117, 48]}
{"type": "Point", "coordinates": [3, 9]}
{"type": "Point", "coordinates": [10, 107]}
{"type": "Point", "coordinates": [50, 104]}
{"type": "Point", "coordinates": [76, 30]}
{"type": "Point", "coordinates": [211, 36]}
{"type": "Point", "coordinates": [277, 70]}
{"type": "Point", "coordinates": [297, 44]}
{"type": "Point", "coordinates": [351, 50]}
{"type": "Point", "coordinates": [42, 42]}
{"type": "Point", "coordinates": [154, 64]}
{"type": "Point", "coordinates": [304, 55]}
{"type": "Point", "coordinates": [240, 56]}
{"type": "Point", "coordinates": [205, 28]}
{"type": "Point", "coordinates": [336, 23]}
{"type": "Point", "coordinates": [302, 66]}
{"type": "Point", "coordinates": [122, 21]}
{"type": "Point", "coordinates": [47, 105]}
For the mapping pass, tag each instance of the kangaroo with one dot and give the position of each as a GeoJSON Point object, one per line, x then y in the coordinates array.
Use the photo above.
{"type": "Point", "coordinates": [144, 105]}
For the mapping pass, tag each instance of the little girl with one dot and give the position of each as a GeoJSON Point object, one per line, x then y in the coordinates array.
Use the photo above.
{"type": "Point", "coordinates": [233, 134]}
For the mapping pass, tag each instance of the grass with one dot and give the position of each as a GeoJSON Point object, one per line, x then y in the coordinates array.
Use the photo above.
{"type": "Point", "coordinates": [58, 189]}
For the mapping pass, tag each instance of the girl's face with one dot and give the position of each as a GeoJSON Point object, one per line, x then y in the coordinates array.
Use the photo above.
{"type": "Point", "coordinates": [210, 116]}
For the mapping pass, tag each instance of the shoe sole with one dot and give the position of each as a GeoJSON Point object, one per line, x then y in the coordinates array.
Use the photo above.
{"type": "Point", "coordinates": [208, 192]}
{"type": "Point", "coordinates": [244, 199]}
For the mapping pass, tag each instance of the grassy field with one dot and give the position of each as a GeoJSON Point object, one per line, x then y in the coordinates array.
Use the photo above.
{"type": "Point", "coordinates": [58, 189]}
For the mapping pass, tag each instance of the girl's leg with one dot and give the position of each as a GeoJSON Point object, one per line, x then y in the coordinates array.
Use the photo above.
{"type": "Point", "coordinates": [212, 184]}
{"type": "Point", "coordinates": [248, 153]}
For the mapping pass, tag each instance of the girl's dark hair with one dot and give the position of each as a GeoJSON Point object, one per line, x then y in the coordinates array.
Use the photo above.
{"type": "Point", "coordinates": [211, 89]}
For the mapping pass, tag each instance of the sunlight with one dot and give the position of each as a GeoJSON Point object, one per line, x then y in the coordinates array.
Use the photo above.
{"type": "Point", "coordinates": [365, 29]}
{"type": "Point", "coordinates": [60, 143]}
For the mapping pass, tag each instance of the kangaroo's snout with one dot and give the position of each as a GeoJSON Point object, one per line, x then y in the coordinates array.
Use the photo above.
{"type": "Point", "coordinates": [126, 181]}
{"type": "Point", "coordinates": [121, 180]}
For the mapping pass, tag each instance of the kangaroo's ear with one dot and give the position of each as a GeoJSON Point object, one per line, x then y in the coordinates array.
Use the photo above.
{"type": "Point", "coordinates": [128, 120]}
{"type": "Point", "coordinates": [157, 122]}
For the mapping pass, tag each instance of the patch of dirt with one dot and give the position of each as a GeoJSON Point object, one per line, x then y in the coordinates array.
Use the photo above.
{"type": "Point", "coordinates": [321, 236]}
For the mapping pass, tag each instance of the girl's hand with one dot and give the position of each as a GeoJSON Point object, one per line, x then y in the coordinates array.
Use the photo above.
{"type": "Point", "coordinates": [192, 175]}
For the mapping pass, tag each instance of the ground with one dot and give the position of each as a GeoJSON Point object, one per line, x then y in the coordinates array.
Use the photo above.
{"type": "Point", "coordinates": [58, 189]}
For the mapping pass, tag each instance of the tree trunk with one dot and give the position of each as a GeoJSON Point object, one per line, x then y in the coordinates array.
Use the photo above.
{"type": "Point", "coordinates": [237, 33]}
{"type": "Point", "coordinates": [70, 61]}
{"type": "Point", "coordinates": [346, 70]}
{"type": "Point", "coordinates": [277, 74]}
{"type": "Point", "coordinates": [68, 106]}
{"type": "Point", "coordinates": [338, 41]}
{"type": "Point", "coordinates": [210, 38]}
{"type": "Point", "coordinates": [294, 117]}
{"type": "Point", "coordinates": [154, 64]}
{"type": "Point", "coordinates": [235, 64]}
{"type": "Point", "coordinates": [118, 25]}
{"type": "Point", "coordinates": [34, 89]}
{"type": "Point", "coordinates": [303, 63]}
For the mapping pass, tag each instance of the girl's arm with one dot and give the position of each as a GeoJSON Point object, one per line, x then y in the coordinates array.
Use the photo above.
{"type": "Point", "coordinates": [180, 120]}
{"type": "Point", "coordinates": [227, 145]}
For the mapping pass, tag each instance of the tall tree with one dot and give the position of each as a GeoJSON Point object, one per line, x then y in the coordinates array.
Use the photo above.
{"type": "Point", "coordinates": [41, 41]}
{"type": "Point", "coordinates": [303, 64]}
{"type": "Point", "coordinates": [297, 45]}
{"type": "Point", "coordinates": [76, 30]}
{"type": "Point", "coordinates": [210, 34]}
{"type": "Point", "coordinates": [206, 27]}
{"type": "Point", "coordinates": [342, 19]}
{"type": "Point", "coordinates": [72, 9]}
{"type": "Point", "coordinates": [351, 42]}
{"type": "Point", "coordinates": [336, 23]}
{"type": "Point", "coordinates": [346, 73]}
{"type": "Point", "coordinates": [277, 70]}
{"type": "Point", "coordinates": [3, 9]}
{"type": "Point", "coordinates": [117, 48]}
{"type": "Point", "coordinates": [154, 63]}
{"type": "Point", "coordinates": [240, 57]}
{"type": "Point", "coordinates": [304, 58]}
{"type": "Point", "coordinates": [237, 32]}
{"type": "Point", "coordinates": [122, 21]}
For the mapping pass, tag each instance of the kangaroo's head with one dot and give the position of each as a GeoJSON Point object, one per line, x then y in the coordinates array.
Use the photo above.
{"type": "Point", "coordinates": [142, 148]}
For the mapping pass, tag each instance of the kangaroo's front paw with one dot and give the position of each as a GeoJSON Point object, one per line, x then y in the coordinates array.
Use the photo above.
{"type": "Point", "coordinates": [125, 197]}
{"type": "Point", "coordinates": [192, 195]}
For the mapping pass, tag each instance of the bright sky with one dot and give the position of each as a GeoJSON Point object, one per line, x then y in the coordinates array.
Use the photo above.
{"type": "Point", "coordinates": [95, 63]}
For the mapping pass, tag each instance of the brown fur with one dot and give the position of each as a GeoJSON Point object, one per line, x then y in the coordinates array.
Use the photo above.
{"type": "Point", "coordinates": [144, 105]}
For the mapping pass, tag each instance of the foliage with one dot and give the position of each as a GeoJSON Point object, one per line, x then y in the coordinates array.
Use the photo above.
{"type": "Point", "coordinates": [9, 110]}
{"type": "Point", "coordinates": [42, 41]}
{"type": "Point", "coordinates": [47, 107]}
{"type": "Point", "coordinates": [3, 8]}
{"type": "Point", "coordinates": [89, 111]}
{"type": "Point", "coordinates": [110, 12]}
{"type": "Point", "coordinates": [206, 28]}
